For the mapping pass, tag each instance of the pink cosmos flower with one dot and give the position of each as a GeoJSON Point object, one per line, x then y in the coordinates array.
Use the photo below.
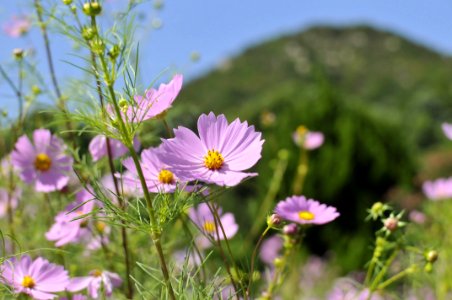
{"type": "Point", "coordinates": [44, 162]}
{"type": "Point", "coordinates": [157, 174]}
{"type": "Point", "coordinates": [94, 282]}
{"type": "Point", "coordinates": [155, 102]}
{"type": "Point", "coordinates": [417, 217]}
{"type": "Point", "coordinates": [203, 218]}
{"type": "Point", "coordinates": [447, 129]}
{"type": "Point", "coordinates": [346, 289]}
{"type": "Point", "coordinates": [309, 140]}
{"type": "Point", "coordinates": [98, 147]}
{"type": "Point", "coordinates": [69, 227]}
{"type": "Point", "coordinates": [38, 279]}
{"type": "Point", "coordinates": [17, 26]}
{"type": "Point", "coordinates": [270, 249]}
{"type": "Point", "coordinates": [438, 189]}
{"type": "Point", "coordinates": [9, 200]}
{"type": "Point", "coordinates": [300, 210]}
{"type": "Point", "coordinates": [220, 153]}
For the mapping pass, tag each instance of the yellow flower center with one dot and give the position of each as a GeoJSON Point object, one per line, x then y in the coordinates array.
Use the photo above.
{"type": "Point", "coordinates": [302, 130]}
{"type": "Point", "coordinates": [100, 226]}
{"type": "Point", "coordinates": [166, 176]}
{"type": "Point", "coordinates": [43, 162]}
{"type": "Point", "coordinates": [213, 160]}
{"type": "Point", "coordinates": [209, 227]}
{"type": "Point", "coordinates": [305, 215]}
{"type": "Point", "coordinates": [96, 273]}
{"type": "Point", "coordinates": [28, 282]}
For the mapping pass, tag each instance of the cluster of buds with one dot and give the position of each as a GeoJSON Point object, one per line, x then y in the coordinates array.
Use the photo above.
{"type": "Point", "coordinates": [377, 210]}
{"type": "Point", "coordinates": [430, 257]}
{"type": "Point", "coordinates": [92, 9]}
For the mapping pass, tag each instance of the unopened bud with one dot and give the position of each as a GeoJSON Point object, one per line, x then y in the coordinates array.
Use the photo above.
{"type": "Point", "coordinates": [274, 219]}
{"type": "Point", "coordinates": [428, 267]}
{"type": "Point", "coordinates": [18, 53]}
{"type": "Point", "coordinates": [88, 33]}
{"type": "Point", "coordinates": [98, 46]}
{"type": "Point", "coordinates": [431, 256]}
{"type": "Point", "coordinates": [92, 8]}
{"type": "Point", "coordinates": [391, 224]}
{"type": "Point", "coordinates": [278, 262]}
{"type": "Point", "coordinates": [67, 2]}
{"type": "Point", "coordinates": [35, 90]}
{"type": "Point", "coordinates": [114, 52]}
{"type": "Point", "coordinates": [290, 229]}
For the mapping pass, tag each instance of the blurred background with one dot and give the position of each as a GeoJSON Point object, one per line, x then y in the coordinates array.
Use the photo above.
{"type": "Point", "coordinates": [373, 76]}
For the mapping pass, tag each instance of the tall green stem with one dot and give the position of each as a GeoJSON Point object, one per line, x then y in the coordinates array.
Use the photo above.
{"type": "Point", "coordinates": [302, 171]}
{"type": "Point", "coordinates": [253, 258]}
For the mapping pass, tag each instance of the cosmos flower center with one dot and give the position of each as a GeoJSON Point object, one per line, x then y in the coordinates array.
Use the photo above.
{"type": "Point", "coordinates": [213, 160]}
{"type": "Point", "coordinates": [28, 282]}
{"type": "Point", "coordinates": [302, 130]}
{"type": "Point", "coordinates": [166, 176]}
{"type": "Point", "coordinates": [209, 227]}
{"type": "Point", "coordinates": [100, 226]}
{"type": "Point", "coordinates": [305, 215]}
{"type": "Point", "coordinates": [43, 162]}
{"type": "Point", "coordinates": [96, 273]}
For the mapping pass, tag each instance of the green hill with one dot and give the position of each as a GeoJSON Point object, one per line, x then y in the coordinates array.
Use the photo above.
{"type": "Point", "coordinates": [378, 97]}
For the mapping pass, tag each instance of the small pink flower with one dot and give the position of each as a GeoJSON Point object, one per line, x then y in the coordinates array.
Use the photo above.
{"type": "Point", "coordinates": [447, 129]}
{"type": "Point", "coordinates": [219, 155]}
{"type": "Point", "coordinates": [69, 227]}
{"type": "Point", "coordinates": [417, 217]}
{"type": "Point", "coordinates": [156, 173]}
{"type": "Point", "coordinates": [270, 249]}
{"type": "Point", "coordinates": [309, 140]}
{"type": "Point", "coordinates": [203, 218]}
{"type": "Point", "coordinates": [439, 189]}
{"type": "Point", "coordinates": [300, 210]}
{"type": "Point", "coordinates": [7, 199]}
{"type": "Point", "coordinates": [39, 279]}
{"type": "Point", "coordinates": [17, 26]}
{"type": "Point", "coordinates": [44, 162]}
{"type": "Point", "coordinates": [94, 282]}
{"type": "Point", "coordinates": [98, 147]}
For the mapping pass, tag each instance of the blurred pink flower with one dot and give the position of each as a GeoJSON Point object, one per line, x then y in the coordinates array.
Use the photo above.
{"type": "Point", "coordinates": [309, 140]}
{"type": "Point", "coordinates": [438, 189]}
{"type": "Point", "coordinates": [447, 129]}
{"type": "Point", "coordinates": [300, 210]}
{"type": "Point", "coordinates": [96, 280]}
{"type": "Point", "coordinates": [417, 217]}
{"type": "Point", "coordinates": [219, 155]}
{"type": "Point", "coordinates": [17, 26]}
{"type": "Point", "coordinates": [203, 218]}
{"type": "Point", "coordinates": [43, 163]}
{"type": "Point", "coordinates": [98, 147]}
{"type": "Point", "coordinates": [38, 279]}
{"type": "Point", "coordinates": [346, 289]}
{"type": "Point", "coordinates": [6, 198]}
{"type": "Point", "coordinates": [270, 249]}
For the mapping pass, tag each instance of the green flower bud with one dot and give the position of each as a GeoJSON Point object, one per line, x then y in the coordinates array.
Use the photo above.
{"type": "Point", "coordinates": [67, 2]}
{"type": "Point", "coordinates": [278, 262]}
{"type": "Point", "coordinates": [114, 52]}
{"type": "Point", "coordinates": [88, 33]}
{"type": "Point", "coordinates": [431, 256]}
{"type": "Point", "coordinates": [98, 46]}
{"type": "Point", "coordinates": [428, 267]}
{"type": "Point", "coordinates": [18, 53]}
{"type": "Point", "coordinates": [35, 90]}
{"type": "Point", "coordinates": [92, 8]}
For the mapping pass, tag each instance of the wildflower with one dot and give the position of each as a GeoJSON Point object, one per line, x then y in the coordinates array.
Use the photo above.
{"type": "Point", "coordinates": [300, 210]}
{"type": "Point", "coordinates": [270, 249]}
{"type": "Point", "coordinates": [273, 220]}
{"type": "Point", "coordinates": [290, 229]}
{"type": "Point", "coordinates": [417, 217]}
{"type": "Point", "coordinates": [96, 281]}
{"type": "Point", "coordinates": [158, 176]}
{"type": "Point", "coordinates": [17, 26]}
{"type": "Point", "coordinates": [392, 223]}
{"type": "Point", "coordinates": [309, 140]}
{"type": "Point", "coordinates": [43, 163]}
{"type": "Point", "coordinates": [155, 102]}
{"type": "Point", "coordinates": [98, 147]}
{"type": "Point", "coordinates": [439, 189]}
{"type": "Point", "coordinates": [38, 279]}
{"type": "Point", "coordinates": [447, 129]}
{"type": "Point", "coordinates": [220, 153]}
{"type": "Point", "coordinates": [203, 218]}
{"type": "Point", "coordinates": [8, 201]}
{"type": "Point", "coordinates": [69, 227]}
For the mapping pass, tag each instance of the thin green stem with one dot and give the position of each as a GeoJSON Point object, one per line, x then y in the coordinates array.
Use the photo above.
{"type": "Point", "coordinates": [394, 278]}
{"type": "Point", "coordinates": [155, 231]}
{"type": "Point", "coordinates": [383, 271]}
{"type": "Point", "coordinates": [253, 258]}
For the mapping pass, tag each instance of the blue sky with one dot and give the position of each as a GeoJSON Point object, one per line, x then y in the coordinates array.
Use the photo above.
{"type": "Point", "coordinates": [220, 29]}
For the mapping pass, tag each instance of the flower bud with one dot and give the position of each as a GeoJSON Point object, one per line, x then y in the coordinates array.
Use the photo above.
{"type": "Point", "coordinates": [391, 224]}
{"type": "Point", "coordinates": [428, 268]}
{"type": "Point", "coordinates": [88, 33]}
{"type": "Point", "coordinates": [114, 52]}
{"type": "Point", "coordinates": [98, 46]}
{"type": "Point", "coordinates": [67, 2]}
{"type": "Point", "coordinates": [290, 229]}
{"type": "Point", "coordinates": [18, 53]}
{"type": "Point", "coordinates": [431, 256]}
{"type": "Point", "coordinates": [35, 90]}
{"type": "Point", "coordinates": [273, 220]}
{"type": "Point", "coordinates": [92, 8]}
{"type": "Point", "coordinates": [278, 262]}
